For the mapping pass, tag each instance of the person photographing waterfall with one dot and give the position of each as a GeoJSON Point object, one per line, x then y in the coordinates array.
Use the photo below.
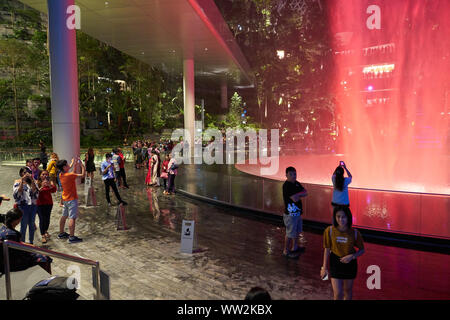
{"type": "Point", "coordinates": [340, 186]}
{"type": "Point", "coordinates": [69, 198]}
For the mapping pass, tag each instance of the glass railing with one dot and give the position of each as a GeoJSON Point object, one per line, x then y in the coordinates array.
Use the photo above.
{"type": "Point", "coordinates": [29, 248]}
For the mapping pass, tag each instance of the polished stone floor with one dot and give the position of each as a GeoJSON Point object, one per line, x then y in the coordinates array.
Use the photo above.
{"type": "Point", "coordinates": [235, 252]}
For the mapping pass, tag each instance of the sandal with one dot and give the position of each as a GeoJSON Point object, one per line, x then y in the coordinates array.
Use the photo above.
{"type": "Point", "coordinates": [44, 239]}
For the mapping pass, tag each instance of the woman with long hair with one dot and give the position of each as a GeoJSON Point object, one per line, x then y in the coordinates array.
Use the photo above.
{"type": "Point", "coordinates": [26, 192]}
{"type": "Point", "coordinates": [89, 163]}
{"type": "Point", "coordinates": [51, 168]}
{"type": "Point", "coordinates": [339, 241]}
{"type": "Point", "coordinates": [156, 166]}
{"type": "Point", "coordinates": [340, 186]}
{"type": "Point", "coordinates": [45, 203]}
{"type": "Point", "coordinates": [148, 178]}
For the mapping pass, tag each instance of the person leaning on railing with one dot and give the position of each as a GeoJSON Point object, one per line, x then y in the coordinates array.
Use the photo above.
{"type": "Point", "coordinates": [19, 260]}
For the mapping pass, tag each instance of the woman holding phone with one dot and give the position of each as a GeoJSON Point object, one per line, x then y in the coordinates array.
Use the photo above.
{"type": "Point", "coordinates": [340, 186]}
{"type": "Point", "coordinates": [45, 203]}
{"type": "Point", "coordinates": [26, 192]}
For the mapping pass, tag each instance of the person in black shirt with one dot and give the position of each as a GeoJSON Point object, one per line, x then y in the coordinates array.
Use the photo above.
{"type": "Point", "coordinates": [293, 191]}
{"type": "Point", "coordinates": [19, 260]}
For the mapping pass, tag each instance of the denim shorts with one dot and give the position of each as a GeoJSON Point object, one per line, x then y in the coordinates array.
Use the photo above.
{"type": "Point", "coordinates": [293, 225]}
{"type": "Point", "coordinates": [70, 209]}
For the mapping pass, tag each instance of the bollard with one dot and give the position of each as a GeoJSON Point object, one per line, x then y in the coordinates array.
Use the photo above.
{"type": "Point", "coordinates": [187, 236]}
{"type": "Point", "coordinates": [120, 218]}
{"type": "Point", "coordinates": [89, 193]}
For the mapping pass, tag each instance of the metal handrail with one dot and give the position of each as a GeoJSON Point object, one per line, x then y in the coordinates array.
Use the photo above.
{"type": "Point", "coordinates": [33, 249]}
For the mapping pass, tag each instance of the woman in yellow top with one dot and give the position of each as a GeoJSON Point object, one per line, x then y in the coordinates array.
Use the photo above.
{"type": "Point", "coordinates": [339, 242]}
{"type": "Point", "coordinates": [51, 168]}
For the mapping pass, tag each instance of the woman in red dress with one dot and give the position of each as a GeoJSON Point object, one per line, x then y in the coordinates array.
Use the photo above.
{"type": "Point", "coordinates": [148, 179]}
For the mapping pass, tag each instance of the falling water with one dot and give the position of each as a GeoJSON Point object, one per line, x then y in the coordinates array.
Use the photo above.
{"type": "Point", "coordinates": [392, 86]}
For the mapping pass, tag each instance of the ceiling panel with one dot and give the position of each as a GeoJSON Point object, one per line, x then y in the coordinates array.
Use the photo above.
{"type": "Point", "coordinates": [158, 27]}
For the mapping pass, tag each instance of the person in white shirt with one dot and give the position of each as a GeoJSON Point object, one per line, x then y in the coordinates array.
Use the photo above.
{"type": "Point", "coordinates": [173, 171]}
{"type": "Point", "coordinates": [340, 186]}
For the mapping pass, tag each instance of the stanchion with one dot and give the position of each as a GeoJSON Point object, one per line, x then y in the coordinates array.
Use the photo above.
{"type": "Point", "coordinates": [120, 218]}
{"type": "Point", "coordinates": [89, 193]}
{"type": "Point", "coordinates": [188, 242]}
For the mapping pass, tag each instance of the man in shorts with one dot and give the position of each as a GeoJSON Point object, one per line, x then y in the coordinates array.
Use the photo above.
{"type": "Point", "coordinates": [69, 198]}
{"type": "Point", "coordinates": [293, 191]}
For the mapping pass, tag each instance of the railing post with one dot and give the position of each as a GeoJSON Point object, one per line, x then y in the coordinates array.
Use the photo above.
{"type": "Point", "coordinates": [97, 276]}
{"type": "Point", "coordinates": [7, 271]}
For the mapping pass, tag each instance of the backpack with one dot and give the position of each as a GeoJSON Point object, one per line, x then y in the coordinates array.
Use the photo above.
{"type": "Point", "coordinates": [174, 166]}
{"type": "Point", "coordinates": [52, 289]}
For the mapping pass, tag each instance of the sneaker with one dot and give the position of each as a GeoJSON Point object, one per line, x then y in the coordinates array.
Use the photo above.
{"type": "Point", "coordinates": [290, 255]}
{"type": "Point", "coordinates": [298, 250]}
{"type": "Point", "coordinates": [302, 239]}
{"type": "Point", "coordinates": [74, 239]}
{"type": "Point", "coordinates": [63, 235]}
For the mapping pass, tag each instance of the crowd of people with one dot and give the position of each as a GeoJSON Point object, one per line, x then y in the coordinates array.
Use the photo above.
{"type": "Point", "coordinates": [32, 193]}
{"type": "Point", "coordinates": [157, 158]}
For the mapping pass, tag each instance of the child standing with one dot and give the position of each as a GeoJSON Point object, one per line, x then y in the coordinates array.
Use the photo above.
{"type": "Point", "coordinates": [165, 171]}
{"type": "Point", "coordinates": [45, 203]}
{"type": "Point", "coordinates": [70, 199]}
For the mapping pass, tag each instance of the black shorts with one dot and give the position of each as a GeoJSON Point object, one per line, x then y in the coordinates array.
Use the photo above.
{"type": "Point", "coordinates": [339, 270]}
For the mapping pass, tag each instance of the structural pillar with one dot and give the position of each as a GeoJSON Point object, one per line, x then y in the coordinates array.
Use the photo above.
{"type": "Point", "coordinates": [64, 81]}
{"type": "Point", "coordinates": [224, 94]}
{"type": "Point", "coordinates": [189, 99]}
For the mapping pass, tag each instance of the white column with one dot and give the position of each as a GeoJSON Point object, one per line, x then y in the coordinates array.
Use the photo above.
{"type": "Point", "coordinates": [64, 81]}
{"type": "Point", "coordinates": [224, 94]}
{"type": "Point", "coordinates": [189, 99]}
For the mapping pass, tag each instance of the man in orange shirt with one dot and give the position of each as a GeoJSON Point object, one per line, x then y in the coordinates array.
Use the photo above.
{"type": "Point", "coordinates": [70, 199]}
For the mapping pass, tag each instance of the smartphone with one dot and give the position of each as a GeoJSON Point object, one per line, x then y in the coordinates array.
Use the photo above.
{"type": "Point", "coordinates": [325, 277]}
{"type": "Point", "coordinates": [341, 163]}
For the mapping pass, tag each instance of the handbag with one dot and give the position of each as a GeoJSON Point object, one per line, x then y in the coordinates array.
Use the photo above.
{"type": "Point", "coordinates": [164, 175]}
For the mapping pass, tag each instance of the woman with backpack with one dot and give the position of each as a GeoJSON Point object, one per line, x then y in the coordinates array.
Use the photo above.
{"type": "Point", "coordinates": [339, 241]}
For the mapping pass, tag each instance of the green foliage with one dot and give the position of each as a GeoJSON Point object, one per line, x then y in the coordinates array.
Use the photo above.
{"type": "Point", "coordinates": [233, 118]}
{"type": "Point", "coordinates": [262, 27]}
{"type": "Point", "coordinates": [34, 136]}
